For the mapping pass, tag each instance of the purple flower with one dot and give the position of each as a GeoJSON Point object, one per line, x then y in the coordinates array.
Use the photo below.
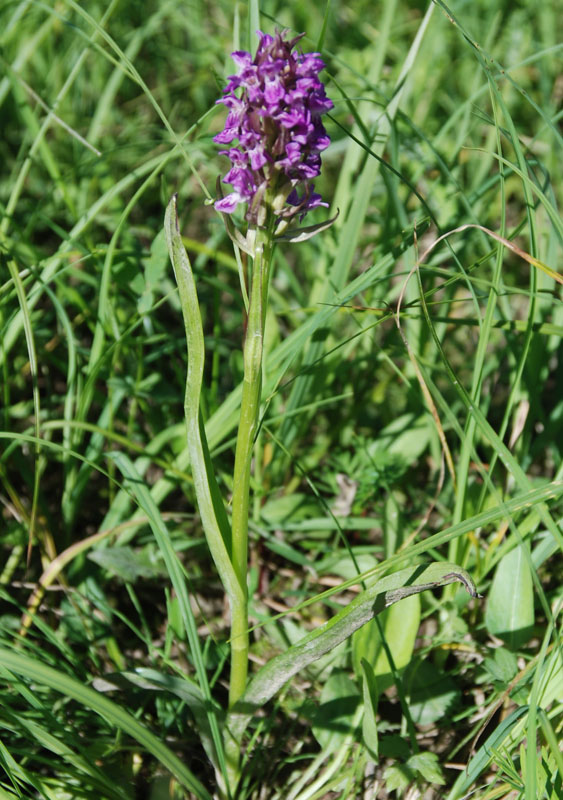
{"type": "Point", "coordinates": [276, 117]}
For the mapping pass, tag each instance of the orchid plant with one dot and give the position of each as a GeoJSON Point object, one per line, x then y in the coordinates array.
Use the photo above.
{"type": "Point", "coordinates": [277, 121]}
{"type": "Point", "coordinates": [275, 103]}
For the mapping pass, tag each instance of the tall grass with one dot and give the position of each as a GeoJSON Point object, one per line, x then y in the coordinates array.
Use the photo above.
{"type": "Point", "coordinates": [411, 407]}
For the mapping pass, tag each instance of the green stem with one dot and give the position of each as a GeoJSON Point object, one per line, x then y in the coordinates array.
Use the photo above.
{"type": "Point", "coordinates": [248, 426]}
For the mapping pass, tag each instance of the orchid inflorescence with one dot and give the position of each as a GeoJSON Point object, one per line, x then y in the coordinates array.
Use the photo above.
{"type": "Point", "coordinates": [277, 121]}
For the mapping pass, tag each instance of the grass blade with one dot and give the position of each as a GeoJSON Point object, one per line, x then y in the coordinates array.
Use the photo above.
{"type": "Point", "coordinates": [113, 713]}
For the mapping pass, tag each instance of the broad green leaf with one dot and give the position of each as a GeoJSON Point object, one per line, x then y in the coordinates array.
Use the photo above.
{"type": "Point", "coordinates": [380, 594]}
{"type": "Point", "coordinates": [397, 777]}
{"type": "Point", "coordinates": [334, 720]}
{"type": "Point", "coordinates": [128, 563]}
{"type": "Point", "coordinates": [427, 765]}
{"type": "Point", "coordinates": [157, 262]}
{"type": "Point", "coordinates": [545, 769]}
{"type": "Point", "coordinates": [345, 566]}
{"type": "Point", "coordinates": [510, 604]}
{"type": "Point", "coordinates": [392, 745]}
{"type": "Point", "coordinates": [503, 666]}
{"type": "Point", "coordinates": [276, 511]}
{"type": "Point", "coordinates": [400, 625]}
{"type": "Point", "coordinates": [432, 694]}
{"type": "Point", "coordinates": [407, 436]}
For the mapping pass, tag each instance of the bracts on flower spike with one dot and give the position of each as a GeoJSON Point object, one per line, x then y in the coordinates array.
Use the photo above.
{"type": "Point", "coordinates": [275, 104]}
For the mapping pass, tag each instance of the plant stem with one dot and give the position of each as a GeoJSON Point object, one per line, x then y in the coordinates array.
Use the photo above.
{"type": "Point", "coordinates": [248, 426]}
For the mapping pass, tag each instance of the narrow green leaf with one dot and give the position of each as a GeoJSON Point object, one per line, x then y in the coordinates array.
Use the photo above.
{"type": "Point", "coordinates": [369, 722]}
{"type": "Point", "coordinates": [550, 678]}
{"type": "Point", "coordinates": [62, 751]}
{"type": "Point", "coordinates": [210, 503]}
{"type": "Point", "coordinates": [302, 234]}
{"type": "Point", "coordinates": [253, 24]}
{"type": "Point", "coordinates": [184, 688]}
{"type": "Point", "coordinates": [34, 670]}
{"type": "Point", "coordinates": [552, 739]}
{"type": "Point", "coordinates": [175, 571]}
{"type": "Point", "coordinates": [482, 758]}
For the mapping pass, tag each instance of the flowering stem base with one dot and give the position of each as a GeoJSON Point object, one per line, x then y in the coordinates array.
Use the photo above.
{"type": "Point", "coordinates": [248, 427]}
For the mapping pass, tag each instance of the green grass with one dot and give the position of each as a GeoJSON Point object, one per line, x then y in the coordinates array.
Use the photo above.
{"type": "Point", "coordinates": [435, 439]}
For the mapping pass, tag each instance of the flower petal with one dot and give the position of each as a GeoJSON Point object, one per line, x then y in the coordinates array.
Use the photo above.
{"type": "Point", "coordinates": [228, 203]}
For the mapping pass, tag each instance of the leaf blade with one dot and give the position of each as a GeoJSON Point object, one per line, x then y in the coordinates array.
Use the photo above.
{"type": "Point", "coordinates": [65, 684]}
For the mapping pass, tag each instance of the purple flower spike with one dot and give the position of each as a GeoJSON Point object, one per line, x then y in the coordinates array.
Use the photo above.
{"type": "Point", "coordinates": [276, 117]}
